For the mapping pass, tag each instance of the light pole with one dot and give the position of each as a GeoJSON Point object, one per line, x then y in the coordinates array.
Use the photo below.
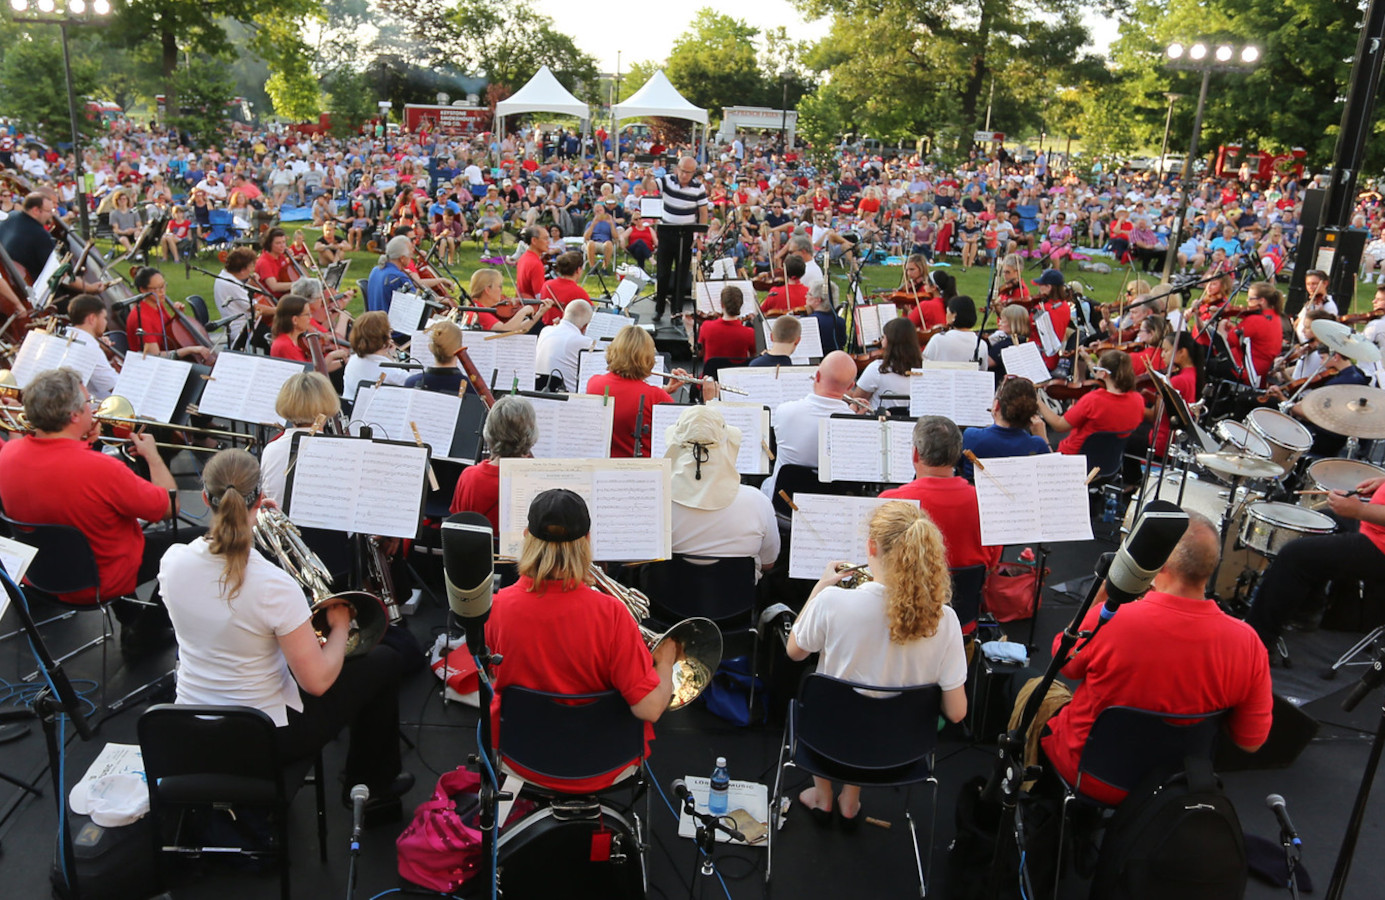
{"type": "Point", "coordinates": [1199, 57]}
{"type": "Point", "coordinates": [1168, 120]}
{"type": "Point", "coordinates": [73, 12]}
{"type": "Point", "coordinates": [784, 113]}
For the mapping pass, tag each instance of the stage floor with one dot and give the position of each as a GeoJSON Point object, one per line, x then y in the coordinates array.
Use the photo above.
{"type": "Point", "coordinates": [809, 861]}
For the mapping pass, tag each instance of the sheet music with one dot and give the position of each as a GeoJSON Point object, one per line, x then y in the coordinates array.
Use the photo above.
{"type": "Point", "coordinates": [245, 386]}
{"type": "Point", "coordinates": [421, 348]}
{"type": "Point", "coordinates": [651, 207]}
{"type": "Point", "coordinates": [828, 527]}
{"type": "Point", "coordinates": [15, 557]}
{"type": "Point", "coordinates": [152, 384]}
{"type": "Point", "coordinates": [625, 293]}
{"type": "Point", "coordinates": [355, 485]}
{"type": "Point", "coordinates": [43, 284]}
{"type": "Point", "coordinates": [751, 418]}
{"type": "Point", "coordinates": [852, 448]}
{"type": "Point", "coordinates": [505, 359]}
{"type": "Point", "coordinates": [899, 441]}
{"type": "Point", "coordinates": [809, 343]}
{"type": "Point", "coordinates": [606, 325]}
{"type": "Point", "coordinates": [871, 319]}
{"type": "Point", "coordinates": [43, 352]}
{"type": "Point", "coordinates": [406, 312]}
{"type": "Point", "coordinates": [391, 409]}
{"type": "Point", "coordinates": [628, 500]}
{"type": "Point", "coordinates": [962, 395]}
{"type": "Point", "coordinates": [1048, 338]}
{"type": "Point", "coordinates": [578, 427]}
{"type": "Point", "coordinates": [1025, 361]}
{"type": "Point", "coordinates": [591, 363]}
{"type": "Point", "coordinates": [1033, 498]}
{"type": "Point", "coordinates": [769, 385]}
{"type": "Point", "coordinates": [707, 295]}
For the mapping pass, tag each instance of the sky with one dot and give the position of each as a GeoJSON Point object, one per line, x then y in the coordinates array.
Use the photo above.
{"type": "Point", "coordinates": [636, 31]}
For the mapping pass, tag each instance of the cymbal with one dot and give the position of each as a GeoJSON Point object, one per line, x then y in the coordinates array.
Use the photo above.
{"type": "Point", "coordinates": [1237, 466]}
{"type": "Point", "coordinates": [1353, 410]}
{"type": "Point", "coordinates": [1341, 339]}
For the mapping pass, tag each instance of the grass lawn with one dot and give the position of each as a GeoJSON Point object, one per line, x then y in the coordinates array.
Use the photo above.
{"type": "Point", "coordinates": [974, 283]}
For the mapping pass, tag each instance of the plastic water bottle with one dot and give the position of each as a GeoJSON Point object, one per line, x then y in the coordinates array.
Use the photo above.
{"type": "Point", "coordinates": [1108, 514]}
{"type": "Point", "coordinates": [721, 782]}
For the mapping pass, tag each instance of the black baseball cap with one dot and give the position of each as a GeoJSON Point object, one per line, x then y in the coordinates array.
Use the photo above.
{"type": "Point", "coordinates": [559, 516]}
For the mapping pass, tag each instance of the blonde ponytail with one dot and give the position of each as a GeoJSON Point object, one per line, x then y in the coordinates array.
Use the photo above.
{"type": "Point", "coordinates": [232, 482]}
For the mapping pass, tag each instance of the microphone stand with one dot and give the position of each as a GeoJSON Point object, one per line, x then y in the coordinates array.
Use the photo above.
{"type": "Point", "coordinates": [1371, 680]}
{"type": "Point", "coordinates": [487, 760]}
{"type": "Point", "coordinates": [986, 316]}
{"type": "Point", "coordinates": [706, 825]}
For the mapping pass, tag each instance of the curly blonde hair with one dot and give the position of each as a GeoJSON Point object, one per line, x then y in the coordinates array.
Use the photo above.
{"type": "Point", "coordinates": [915, 558]}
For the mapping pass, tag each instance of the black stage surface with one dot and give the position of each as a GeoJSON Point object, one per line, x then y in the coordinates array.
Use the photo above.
{"type": "Point", "coordinates": [809, 861]}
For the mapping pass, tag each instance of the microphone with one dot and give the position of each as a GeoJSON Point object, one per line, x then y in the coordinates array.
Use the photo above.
{"type": "Point", "coordinates": [402, 365]}
{"type": "Point", "coordinates": [1143, 554]}
{"type": "Point", "coordinates": [130, 301]}
{"type": "Point", "coordinates": [680, 790]}
{"type": "Point", "coordinates": [1281, 812]}
{"type": "Point", "coordinates": [468, 569]}
{"type": "Point", "coordinates": [359, 795]}
{"type": "Point", "coordinates": [222, 323]}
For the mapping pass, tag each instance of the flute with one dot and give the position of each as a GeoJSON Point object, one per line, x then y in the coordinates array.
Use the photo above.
{"type": "Point", "coordinates": [688, 379]}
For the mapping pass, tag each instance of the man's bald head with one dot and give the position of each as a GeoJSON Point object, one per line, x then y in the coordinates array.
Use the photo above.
{"type": "Point", "coordinates": [578, 312]}
{"type": "Point", "coordinates": [835, 375]}
{"type": "Point", "coordinates": [1194, 558]}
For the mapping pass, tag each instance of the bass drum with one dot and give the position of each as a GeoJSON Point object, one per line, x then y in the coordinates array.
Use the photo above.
{"type": "Point", "coordinates": [1238, 565]}
{"type": "Point", "coordinates": [549, 853]}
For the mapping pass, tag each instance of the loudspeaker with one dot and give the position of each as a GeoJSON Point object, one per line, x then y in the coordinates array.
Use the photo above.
{"type": "Point", "coordinates": [1291, 732]}
{"type": "Point", "coordinates": [1346, 245]}
{"type": "Point", "coordinates": [1309, 219]}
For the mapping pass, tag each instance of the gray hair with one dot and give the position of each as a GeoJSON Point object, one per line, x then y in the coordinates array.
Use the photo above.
{"type": "Point", "coordinates": [578, 312]}
{"type": "Point", "coordinates": [937, 440]}
{"type": "Point", "coordinates": [52, 398]}
{"type": "Point", "coordinates": [824, 292]}
{"type": "Point", "coordinates": [800, 242]}
{"type": "Point", "coordinates": [399, 247]}
{"type": "Point", "coordinates": [511, 428]}
{"type": "Point", "coordinates": [309, 289]}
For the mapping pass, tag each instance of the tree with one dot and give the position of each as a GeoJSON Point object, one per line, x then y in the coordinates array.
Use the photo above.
{"type": "Point", "coordinates": [35, 92]}
{"type": "Point", "coordinates": [714, 63]}
{"type": "Point", "coordinates": [349, 99]}
{"type": "Point", "coordinates": [635, 78]}
{"type": "Point", "coordinates": [203, 88]}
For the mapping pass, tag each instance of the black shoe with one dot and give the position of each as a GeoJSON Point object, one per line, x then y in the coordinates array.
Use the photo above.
{"type": "Point", "coordinates": [140, 640]}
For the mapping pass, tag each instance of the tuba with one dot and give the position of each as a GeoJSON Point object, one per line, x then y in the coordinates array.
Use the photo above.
{"type": "Point", "coordinates": [698, 639]}
{"type": "Point", "coordinates": [275, 534]}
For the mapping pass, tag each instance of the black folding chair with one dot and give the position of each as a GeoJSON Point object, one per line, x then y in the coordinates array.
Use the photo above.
{"type": "Point", "coordinates": [967, 584]}
{"type": "Point", "coordinates": [568, 737]}
{"type": "Point", "coordinates": [885, 738]}
{"type": "Point", "coordinates": [223, 757]}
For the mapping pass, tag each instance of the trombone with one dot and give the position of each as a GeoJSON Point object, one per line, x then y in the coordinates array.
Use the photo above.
{"type": "Point", "coordinates": [119, 413]}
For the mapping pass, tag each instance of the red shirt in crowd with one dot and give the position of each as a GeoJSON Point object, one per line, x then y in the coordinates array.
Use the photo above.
{"type": "Point", "coordinates": [529, 275]}
{"type": "Point", "coordinates": [563, 290]}
{"type": "Point", "coordinates": [567, 642]}
{"type": "Point", "coordinates": [1101, 410]}
{"type": "Point", "coordinates": [951, 504]}
{"type": "Point", "coordinates": [785, 298]}
{"type": "Point", "coordinates": [1266, 336]}
{"type": "Point", "coordinates": [269, 266]}
{"type": "Point", "coordinates": [1059, 315]}
{"type": "Point", "coordinates": [625, 393]}
{"type": "Point", "coordinates": [934, 313]}
{"type": "Point", "coordinates": [285, 347]}
{"type": "Point", "coordinates": [1376, 533]}
{"type": "Point", "coordinates": [153, 319]}
{"type": "Point", "coordinates": [727, 339]}
{"type": "Point", "coordinates": [1166, 653]}
{"type": "Point", "coordinates": [1185, 382]}
{"type": "Point", "coordinates": [59, 481]}
{"type": "Point", "coordinates": [478, 490]}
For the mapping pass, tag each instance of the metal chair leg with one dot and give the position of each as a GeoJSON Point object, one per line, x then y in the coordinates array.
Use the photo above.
{"type": "Point", "coordinates": [1357, 648]}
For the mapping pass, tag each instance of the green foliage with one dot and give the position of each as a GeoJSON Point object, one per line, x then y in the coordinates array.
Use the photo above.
{"type": "Point", "coordinates": [350, 100]}
{"type": "Point", "coordinates": [203, 88]}
{"type": "Point", "coordinates": [713, 64]}
{"type": "Point", "coordinates": [634, 79]}
{"type": "Point", "coordinates": [35, 93]}
{"type": "Point", "coordinates": [822, 116]}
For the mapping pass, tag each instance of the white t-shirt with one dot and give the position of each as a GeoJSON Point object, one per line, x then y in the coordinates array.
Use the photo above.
{"type": "Point", "coordinates": [557, 349]}
{"type": "Point", "coordinates": [796, 433]}
{"type": "Point", "coordinates": [228, 653]}
{"type": "Point", "coordinates": [274, 464]}
{"type": "Point", "coordinates": [367, 368]}
{"type": "Point", "coordinates": [232, 299]}
{"type": "Point", "coordinates": [745, 528]}
{"type": "Point", "coordinates": [850, 629]}
{"type": "Point", "coordinates": [812, 274]}
{"type": "Point", "coordinates": [956, 346]}
{"type": "Point", "coordinates": [877, 382]}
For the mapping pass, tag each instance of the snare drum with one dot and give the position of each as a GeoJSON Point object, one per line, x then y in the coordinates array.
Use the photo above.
{"type": "Point", "coordinates": [1335, 475]}
{"type": "Point", "coordinates": [1288, 440]}
{"type": "Point", "coordinates": [1237, 438]}
{"type": "Point", "coordinates": [1269, 526]}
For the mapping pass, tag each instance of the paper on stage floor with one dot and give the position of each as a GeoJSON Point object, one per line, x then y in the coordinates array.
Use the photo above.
{"type": "Point", "coordinates": [1024, 499]}
{"type": "Point", "coordinates": [747, 795]}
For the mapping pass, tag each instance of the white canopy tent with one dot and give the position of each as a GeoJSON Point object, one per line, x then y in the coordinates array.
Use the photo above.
{"type": "Point", "coordinates": [658, 97]}
{"type": "Point", "coordinates": [542, 93]}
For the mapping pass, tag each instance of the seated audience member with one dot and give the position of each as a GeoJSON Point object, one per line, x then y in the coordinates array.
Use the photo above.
{"type": "Point", "coordinates": [1171, 651]}
{"type": "Point", "coordinates": [959, 343]}
{"type": "Point", "coordinates": [796, 422]}
{"type": "Point", "coordinates": [899, 355]}
{"type": "Point", "coordinates": [713, 513]}
{"type": "Point", "coordinates": [895, 631]}
{"type": "Point", "coordinates": [1117, 406]}
{"type": "Point", "coordinates": [1013, 410]}
{"type": "Point", "coordinates": [510, 432]}
{"type": "Point", "coordinates": [556, 353]}
{"type": "Point", "coordinates": [949, 500]}
{"type": "Point", "coordinates": [784, 334]}
{"type": "Point", "coordinates": [245, 638]}
{"type": "Point", "coordinates": [559, 635]}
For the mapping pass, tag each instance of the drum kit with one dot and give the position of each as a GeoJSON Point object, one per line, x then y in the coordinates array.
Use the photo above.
{"type": "Point", "coordinates": [1241, 486]}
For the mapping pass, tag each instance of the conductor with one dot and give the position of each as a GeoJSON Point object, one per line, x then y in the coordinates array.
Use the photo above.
{"type": "Point", "coordinates": [685, 206]}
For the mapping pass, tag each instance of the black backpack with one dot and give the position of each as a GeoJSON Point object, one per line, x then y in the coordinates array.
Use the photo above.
{"type": "Point", "coordinates": [1174, 837]}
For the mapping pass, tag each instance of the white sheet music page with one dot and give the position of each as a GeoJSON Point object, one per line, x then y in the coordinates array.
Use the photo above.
{"type": "Point", "coordinates": [357, 485]}
{"type": "Point", "coordinates": [769, 385]}
{"type": "Point", "coordinates": [628, 500]}
{"type": "Point", "coordinates": [406, 312]}
{"type": "Point", "coordinates": [1025, 361]}
{"type": "Point", "coordinates": [809, 342]}
{"type": "Point", "coordinates": [152, 384]}
{"type": "Point", "coordinates": [514, 358]}
{"type": "Point", "coordinates": [606, 325]}
{"type": "Point", "coordinates": [850, 449]}
{"type": "Point", "coordinates": [81, 354]}
{"type": "Point", "coordinates": [751, 418]}
{"type": "Point", "coordinates": [389, 501]}
{"type": "Point", "coordinates": [578, 427]}
{"type": "Point", "coordinates": [15, 557]}
{"type": "Point", "coordinates": [421, 348]}
{"type": "Point", "coordinates": [870, 320]}
{"type": "Point", "coordinates": [245, 387]}
{"type": "Point", "coordinates": [1061, 482]}
{"type": "Point", "coordinates": [899, 438]}
{"type": "Point", "coordinates": [962, 395]}
{"type": "Point", "coordinates": [827, 527]}
{"type": "Point", "coordinates": [1033, 498]}
{"type": "Point", "coordinates": [43, 352]}
{"type": "Point", "coordinates": [591, 363]}
{"type": "Point", "coordinates": [435, 414]}
{"type": "Point", "coordinates": [1049, 339]}
{"type": "Point", "coordinates": [707, 295]}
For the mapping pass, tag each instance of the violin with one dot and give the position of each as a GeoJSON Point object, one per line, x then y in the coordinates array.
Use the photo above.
{"type": "Point", "coordinates": [1071, 390]}
{"type": "Point", "coordinates": [1298, 384]}
{"type": "Point", "coordinates": [1358, 318]}
{"type": "Point", "coordinates": [767, 281]}
{"type": "Point", "coordinates": [864, 359]}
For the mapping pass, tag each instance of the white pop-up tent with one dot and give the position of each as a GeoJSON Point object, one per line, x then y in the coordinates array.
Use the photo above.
{"type": "Point", "coordinates": [542, 93]}
{"type": "Point", "coordinates": [658, 97]}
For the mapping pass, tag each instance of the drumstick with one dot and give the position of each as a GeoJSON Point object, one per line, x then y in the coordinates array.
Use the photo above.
{"type": "Point", "coordinates": [1351, 493]}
